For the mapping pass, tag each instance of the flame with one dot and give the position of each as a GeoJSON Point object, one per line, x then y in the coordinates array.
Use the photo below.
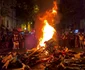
{"type": "Point", "coordinates": [54, 8]}
{"type": "Point", "coordinates": [48, 22]}
{"type": "Point", "coordinates": [54, 11]}
{"type": "Point", "coordinates": [48, 32]}
{"type": "Point", "coordinates": [46, 53]}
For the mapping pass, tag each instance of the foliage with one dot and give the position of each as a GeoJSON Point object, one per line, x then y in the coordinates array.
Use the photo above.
{"type": "Point", "coordinates": [25, 9]}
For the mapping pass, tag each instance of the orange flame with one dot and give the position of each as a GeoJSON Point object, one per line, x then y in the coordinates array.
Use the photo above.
{"type": "Point", "coordinates": [54, 8]}
{"type": "Point", "coordinates": [48, 30]}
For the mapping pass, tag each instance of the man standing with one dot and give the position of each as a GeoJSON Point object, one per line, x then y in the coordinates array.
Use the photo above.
{"type": "Point", "coordinates": [15, 40]}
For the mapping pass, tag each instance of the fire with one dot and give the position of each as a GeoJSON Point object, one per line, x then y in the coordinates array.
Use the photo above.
{"type": "Point", "coordinates": [54, 11]}
{"type": "Point", "coordinates": [47, 25]}
{"type": "Point", "coordinates": [54, 8]}
{"type": "Point", "coordinates": [48, 32]}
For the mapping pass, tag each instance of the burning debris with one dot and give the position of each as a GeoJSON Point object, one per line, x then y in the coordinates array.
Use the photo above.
{"type": "Point", "coordinates": [47, 35]}
{"type": "Point", "coordinates": [64, 59]}
{"type": "Point", "coordinates": [46, 30]}
{"type": "Point", "coordinates": [47, 53]}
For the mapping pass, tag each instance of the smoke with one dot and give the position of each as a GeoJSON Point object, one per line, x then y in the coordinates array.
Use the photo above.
{"type": "Point", "coordinates": [44, 5]}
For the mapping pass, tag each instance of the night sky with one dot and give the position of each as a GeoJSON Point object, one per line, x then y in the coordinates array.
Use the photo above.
{"type": "Point", "coordinates": [72, 8]}
{"type": "Point", "coordinates": [68, 8]}
{"type": "Point", "coordinates": [72, 11]}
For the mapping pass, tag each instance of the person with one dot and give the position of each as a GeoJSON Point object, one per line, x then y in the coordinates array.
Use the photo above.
{"type": "Point", "coordinates": [21, 41]}
{"type": "Point", "coordinates": [81, 37]}
{"type": "Point", "coordinates": [15, 40]}
{"type": "Point", "coordinates": [76, 40]}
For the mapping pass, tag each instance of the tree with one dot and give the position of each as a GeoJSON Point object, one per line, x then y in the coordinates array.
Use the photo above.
{"type": "Point", "coordinates": [25, 9]}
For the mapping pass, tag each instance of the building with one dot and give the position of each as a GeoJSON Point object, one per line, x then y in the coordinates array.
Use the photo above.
{"type": "Point", "coordinates": [8, 13]}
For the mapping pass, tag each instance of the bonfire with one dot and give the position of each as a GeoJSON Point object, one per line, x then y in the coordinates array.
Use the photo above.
{"type": "Point", "coordinates": [48, 31]}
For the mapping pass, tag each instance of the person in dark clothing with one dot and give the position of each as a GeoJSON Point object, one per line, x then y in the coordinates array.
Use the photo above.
{"type": "Point", "coordinates": [77, 41]}
{"type": "Point", "coordinates": [10, 42]}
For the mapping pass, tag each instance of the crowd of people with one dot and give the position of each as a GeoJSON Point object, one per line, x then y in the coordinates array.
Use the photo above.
{"type": "Point", "coordinates": [59, 57]}
{"type": "Point", "coordinates": [11, 39]}
{"type": "Point", "coordinates": [72, 40]}
{"type": "Point", "coordinates": [17, 39]}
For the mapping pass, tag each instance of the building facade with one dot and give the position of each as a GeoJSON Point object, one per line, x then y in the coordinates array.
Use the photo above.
{"type": "Point", "coordinates": [8, 13]}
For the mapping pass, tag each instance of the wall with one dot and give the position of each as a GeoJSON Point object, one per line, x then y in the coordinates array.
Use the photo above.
{"type": "Point", "coordinates": [8, 13]}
